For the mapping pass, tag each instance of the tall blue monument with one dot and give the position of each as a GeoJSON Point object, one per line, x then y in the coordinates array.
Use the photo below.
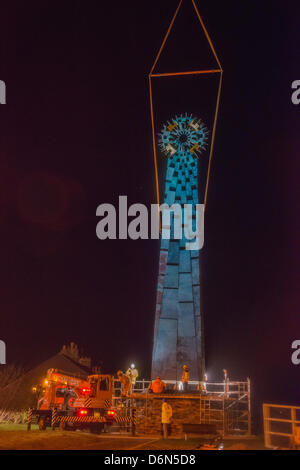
{"type": "Point", "coordinates": [186, 73]}
{"type": "Point", "coordinates": [178, 331]}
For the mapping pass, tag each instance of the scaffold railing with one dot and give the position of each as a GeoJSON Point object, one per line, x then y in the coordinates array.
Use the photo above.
{"type": "Point", "coordinates": [281, 425]}
{"type": "Point", "coordinates": [230, 389]}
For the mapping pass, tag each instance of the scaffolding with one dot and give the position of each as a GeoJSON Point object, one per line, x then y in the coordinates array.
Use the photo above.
{"type": "Point", "coordinates": [226, 404]}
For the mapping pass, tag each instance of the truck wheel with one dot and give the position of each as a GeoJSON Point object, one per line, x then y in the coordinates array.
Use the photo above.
{"type": "Point", "coordinates": [42, 424]}
{"type": "Point", "coordinates": [96, 428]}
{"type": "Point", "coordinates": [107, 428]}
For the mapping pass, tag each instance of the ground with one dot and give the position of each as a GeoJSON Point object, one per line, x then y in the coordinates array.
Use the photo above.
{"type": "Point", "coordinates": [16, 437]}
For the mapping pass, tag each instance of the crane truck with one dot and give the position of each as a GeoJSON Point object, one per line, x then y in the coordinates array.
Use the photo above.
{"type": "Point", "coordinates": [74, 402]}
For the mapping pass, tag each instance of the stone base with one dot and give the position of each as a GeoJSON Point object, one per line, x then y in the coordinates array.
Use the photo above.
{"type": "Point", "coordinates": [187, 409]}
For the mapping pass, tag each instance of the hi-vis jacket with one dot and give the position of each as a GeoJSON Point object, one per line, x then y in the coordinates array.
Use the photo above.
{"type": "Point", "coordinates": [132, 374]}
{"type": "Point", "coordinates": [157, 386]}
{"type": "Point", "coordinates": [185, 376]}
{"type": "Point", "coordinates": [166, 413]}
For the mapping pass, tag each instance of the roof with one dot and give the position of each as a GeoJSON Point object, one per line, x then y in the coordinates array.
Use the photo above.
{"type": "Point", "coordinates": [18, 394]}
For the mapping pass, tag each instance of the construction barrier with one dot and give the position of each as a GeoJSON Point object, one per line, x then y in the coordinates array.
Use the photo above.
{"type": "Point", "coordinates": [123, 419]}
{"type": "Point", "coordinates": [281, 425]}
{"type": "Point", "coordinates": [133, 421]}
{"type": "Point", "coordinates": [53, 418]}
{"type": "Point", "coordinates": [29, 419]}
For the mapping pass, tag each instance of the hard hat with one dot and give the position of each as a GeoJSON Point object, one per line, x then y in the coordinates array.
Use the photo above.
{"type": "Point", "coordinates": [185, 366]}
{"type": "Point", "coordinates": [132, 366]}
{"type": "Point", "coordinates": [158, 377]}
{"type": "Point", "coordinates": [119, 372]}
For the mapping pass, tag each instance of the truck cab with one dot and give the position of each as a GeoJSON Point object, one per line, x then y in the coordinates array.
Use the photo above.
{"type": "Point", "coordinates": [76, 401]}
{"type": "Point", "coordinates": [97, 394]}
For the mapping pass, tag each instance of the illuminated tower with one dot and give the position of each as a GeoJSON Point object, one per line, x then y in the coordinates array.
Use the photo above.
{"type": "Point", "coordinates": [178, 329]}
{"type": "Point", "coordinates": [182, 168]}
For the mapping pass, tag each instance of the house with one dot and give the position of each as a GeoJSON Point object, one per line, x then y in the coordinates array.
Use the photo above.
{"type": "Point", "coordinates": [18, 395]}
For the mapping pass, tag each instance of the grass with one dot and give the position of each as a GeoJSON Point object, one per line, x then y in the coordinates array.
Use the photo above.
{"type": "Point", "coordinates": [16, 427]}
{"type": "Point", "coordinates": [16, 437]}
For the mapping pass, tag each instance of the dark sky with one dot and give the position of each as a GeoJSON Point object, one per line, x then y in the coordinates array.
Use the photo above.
{"type": "Point", "coordinates": [76, 132]}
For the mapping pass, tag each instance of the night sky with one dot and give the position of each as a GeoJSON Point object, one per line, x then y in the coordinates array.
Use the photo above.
{"type": "Point", "coordinates": [76, 132]}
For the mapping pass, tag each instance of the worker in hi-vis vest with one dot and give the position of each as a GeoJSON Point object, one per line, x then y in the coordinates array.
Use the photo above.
{"type": "Point", "coordinates": [132, 374]}
{"type": "Point", "coordinates": [166, 415]}
{"type": "Point", "coordinates": [124, 382]}
{"type": "Point", "coordinates": [185, 378]}
{"type": "Point", "coordinates": [157, 386]}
